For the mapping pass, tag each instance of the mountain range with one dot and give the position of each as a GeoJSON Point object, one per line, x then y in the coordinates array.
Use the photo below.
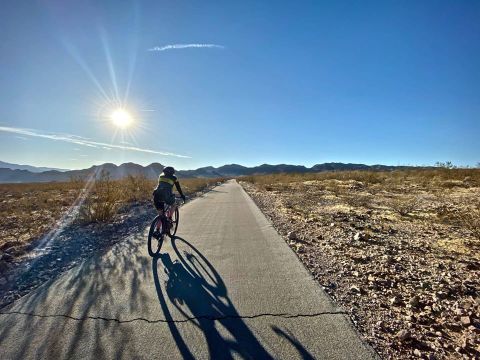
{"type": "Point", "coordinates": [23, 173]}
{"type": "Point", "coordinates": [34, 169]}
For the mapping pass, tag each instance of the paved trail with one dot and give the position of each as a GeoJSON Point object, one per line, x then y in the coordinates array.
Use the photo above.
{"type": "Point", "coordinates": [227, 287]}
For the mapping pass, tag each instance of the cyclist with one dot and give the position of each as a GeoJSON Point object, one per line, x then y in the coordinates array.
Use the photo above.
{"type": "Point", "coordinates": [164, 191]}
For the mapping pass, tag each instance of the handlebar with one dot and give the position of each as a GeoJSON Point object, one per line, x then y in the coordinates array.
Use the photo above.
{"type": "Point", "coordinates": [180, 198]}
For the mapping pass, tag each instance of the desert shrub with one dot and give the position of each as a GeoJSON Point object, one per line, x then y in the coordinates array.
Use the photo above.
{"type": "Point", "coordinates": [335, 187]}
{"type": "Point", "coordinates": [404, 205]}
{"type": "Point", "coordinates": [193, 185]}
{"type": "Point", "coordinates": [137, 188]}
{"type": "Point", "coordinates": [77, 182]}
{"type": "Point", "coordinates": [469, 218]}
{"type": "Point", "coordinates": [370, 177]}
{"type": "Point", "coordinates": [358, 200]}
{"type": "Point", "coordinates": [102, 203]}
{"type": "Point", "coordinates": [450, 184]}
{"type": "Point", "coordinates": [448, 214]}
{"type": "Point", "coordinates": [422, 177]}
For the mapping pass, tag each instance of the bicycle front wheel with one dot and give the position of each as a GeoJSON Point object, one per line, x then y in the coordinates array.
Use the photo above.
{"type": "Point", "coordinates": [155, 236]}
{"type": "Point", "coordinates": [174, 226]}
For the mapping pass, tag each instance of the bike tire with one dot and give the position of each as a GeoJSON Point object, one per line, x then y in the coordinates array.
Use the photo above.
{"type": "Point", "coordinates": [175, 220]}
{"type": "Point", "coordinates": [154, 245]}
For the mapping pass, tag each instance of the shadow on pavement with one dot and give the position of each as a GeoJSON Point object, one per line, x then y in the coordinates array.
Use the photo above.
{"type": "Point", "coordinates": [76, 315]}
{"type": "Point", "coordinates": [197, 291]}
{"type": "Point", "coordinates": [58, 331]}
{"type": "Point", "coordinates": [304, 354]}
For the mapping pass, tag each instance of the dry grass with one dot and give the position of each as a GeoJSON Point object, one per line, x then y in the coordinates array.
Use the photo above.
{"type": "Point", "coordinates": [436, 196]}
{"type": "Point", "coordinates": [444, 178]}
{"type": "Point", "coordinates": [29, 210]}
{"type": "Point", "coordinates": [469, 218]}
{"type": "Point", "coordinates": [404, 205]}
{"type": "Point", "coordinates": [365, 201]}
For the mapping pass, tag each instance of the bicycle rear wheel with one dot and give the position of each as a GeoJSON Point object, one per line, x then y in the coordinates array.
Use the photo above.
{"type": "Point", "coordinates": [174, 223]}
{"type": "Point", "coordinates": [155, 236]}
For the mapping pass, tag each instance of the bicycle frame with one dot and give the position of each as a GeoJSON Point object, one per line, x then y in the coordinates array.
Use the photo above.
{"type": "Point", "coordinates": [168, 210]}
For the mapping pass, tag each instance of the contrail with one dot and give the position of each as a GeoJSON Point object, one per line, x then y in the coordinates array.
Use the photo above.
{"type": "Point", "coordinates": [82, 141]}
{"type": "Point", "coordinates": [185, 46]}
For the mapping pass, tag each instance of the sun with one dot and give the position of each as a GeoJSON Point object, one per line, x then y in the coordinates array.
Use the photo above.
{"type": "Point", "coordinates": [121, 118]}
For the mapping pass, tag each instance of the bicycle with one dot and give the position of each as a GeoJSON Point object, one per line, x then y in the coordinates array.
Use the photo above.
{"type": "Point", "coordinates": [161, 226]}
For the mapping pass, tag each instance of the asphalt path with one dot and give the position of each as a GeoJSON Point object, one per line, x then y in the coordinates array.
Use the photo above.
{"type": "Point", "coordinates": [227, 287]}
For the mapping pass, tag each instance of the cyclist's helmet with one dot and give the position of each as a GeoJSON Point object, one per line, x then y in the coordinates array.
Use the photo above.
{"type": "Point", "coordinates": [169, 171]}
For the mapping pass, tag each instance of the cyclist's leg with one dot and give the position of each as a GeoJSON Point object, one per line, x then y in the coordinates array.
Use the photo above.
{"type": "Point", "coordinates": [172, 205]}
{"type": "Point", "coordinates": [160, 210]}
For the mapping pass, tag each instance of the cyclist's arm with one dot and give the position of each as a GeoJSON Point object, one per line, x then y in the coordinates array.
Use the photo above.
{"type": "Point", "coordinates": [179, 189]}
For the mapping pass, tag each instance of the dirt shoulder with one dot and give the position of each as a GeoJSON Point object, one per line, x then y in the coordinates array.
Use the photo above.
{"type": "Point", "coordinates": [409, 281]}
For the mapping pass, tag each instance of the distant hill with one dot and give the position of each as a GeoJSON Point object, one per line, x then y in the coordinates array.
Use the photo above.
{"type": "Point", "coordinates": [116, 172]}
{"type": "Point", "coordinates": [8, 175]}
{"type": "Point", "coordinates": [34, 169]}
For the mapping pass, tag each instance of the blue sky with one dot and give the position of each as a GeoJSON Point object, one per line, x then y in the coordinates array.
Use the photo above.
{"type": "Point", "coordinates": [304, 82]}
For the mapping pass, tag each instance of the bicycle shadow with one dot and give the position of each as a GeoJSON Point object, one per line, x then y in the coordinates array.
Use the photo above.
{"type": "Point", "coordinates": [302, 351]}
{"type": "Point", "coordinates": [196, 290]}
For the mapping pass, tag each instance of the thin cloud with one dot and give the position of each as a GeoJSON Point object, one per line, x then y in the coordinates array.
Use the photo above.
{"type": "Point", "coordinates": [77, 140]}
{"type": "Point", "coordinates": [186, 46]}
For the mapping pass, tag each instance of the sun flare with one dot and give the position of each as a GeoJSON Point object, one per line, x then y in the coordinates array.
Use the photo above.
{"type": "Point", "coordinates": [121, 118]}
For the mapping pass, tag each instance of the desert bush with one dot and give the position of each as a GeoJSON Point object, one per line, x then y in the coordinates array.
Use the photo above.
{"type": "Point", "coordinates": [370, 177]}
{"type": "Point", "coordinates": [28, 210]}
{"type": "Point", "coordinates": [448, 214]}
{"type": "Point", "coordinates": [404, 205]}
{"type": "Point", "coordinates": [358, 200]}
{"type": "Point", "coordinates": [423, 177]}
{"type": "Point", "coordinates": [335, 187]}
{"type": "Point", "coordinates": [137, 188]}
{"type": "Point", "coordinates": [191, 186]}
{"type": "Point", "coordinates": [469, 218]}
{"type": "Point", "coordinates": [102, 203]}
{"type": "Point", "coordinates": [77, 182]}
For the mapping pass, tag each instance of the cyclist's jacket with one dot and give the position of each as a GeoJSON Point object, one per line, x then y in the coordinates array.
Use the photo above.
{"type": "Point", "coordinates": [164, 190]}
{"type": "Point", "coordinates": [166, 182]}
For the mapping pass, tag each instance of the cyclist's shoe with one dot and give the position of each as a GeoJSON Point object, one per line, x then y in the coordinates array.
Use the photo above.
{"type": "Point", "coordinates": [156, 234]}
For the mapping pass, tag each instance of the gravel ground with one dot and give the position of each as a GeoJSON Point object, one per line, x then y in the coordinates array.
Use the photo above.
{"type": "Point", "coordinates": [408, 296]}
{"type": "Point", "coordinates": [66, 249]}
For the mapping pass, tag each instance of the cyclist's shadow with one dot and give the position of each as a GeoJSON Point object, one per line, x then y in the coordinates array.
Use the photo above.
{"type": "Point", "coordinates": [197, 291]}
